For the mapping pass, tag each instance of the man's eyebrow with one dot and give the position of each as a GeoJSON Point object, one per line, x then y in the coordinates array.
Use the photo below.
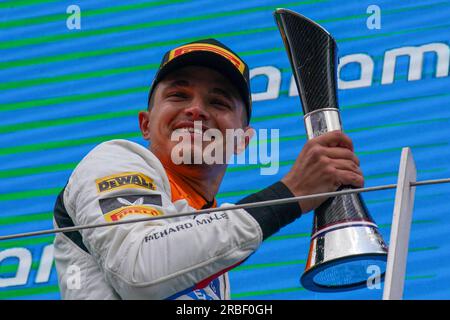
{"type": "Point", "coordinates": [178, 83]}
{"type": "Point", "coordinates": [222, 92]}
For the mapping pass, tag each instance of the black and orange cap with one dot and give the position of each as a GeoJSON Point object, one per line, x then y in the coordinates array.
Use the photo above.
{"type": "Point", "coordinates": [212, 54]}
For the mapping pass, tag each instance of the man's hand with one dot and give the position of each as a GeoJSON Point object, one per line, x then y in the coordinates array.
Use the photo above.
{"type": "Point", "coordinates": [324, 164]}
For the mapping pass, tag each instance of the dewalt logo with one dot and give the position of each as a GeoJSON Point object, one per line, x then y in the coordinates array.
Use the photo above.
{"type": "Point", "coordinates": [125, 180]}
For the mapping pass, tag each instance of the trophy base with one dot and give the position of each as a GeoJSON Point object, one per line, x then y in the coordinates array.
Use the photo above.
{"type": "Point", "coordinates": [345, 259]}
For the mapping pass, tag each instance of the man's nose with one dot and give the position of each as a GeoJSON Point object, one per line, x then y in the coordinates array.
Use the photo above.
{"type": "Point", "coordinates": [197, 110]}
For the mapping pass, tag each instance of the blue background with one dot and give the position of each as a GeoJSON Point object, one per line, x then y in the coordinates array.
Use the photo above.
{"type": "Point", "coordinates": [64, 91]}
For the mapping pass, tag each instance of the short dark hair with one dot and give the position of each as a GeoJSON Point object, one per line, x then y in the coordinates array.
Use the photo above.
{"type": "Point", "coordinates": [151, 101]}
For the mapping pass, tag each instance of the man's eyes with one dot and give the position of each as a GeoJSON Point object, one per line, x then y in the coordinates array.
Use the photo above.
{"type": "Point", "coordinates": [221, 103]}
{"type": "Point", "coordinates": [177, 94]}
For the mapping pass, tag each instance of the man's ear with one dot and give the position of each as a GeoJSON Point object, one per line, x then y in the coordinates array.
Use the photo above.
{"type": "Point", "coordinates": [244, 141]}
{"type": "Point", "coordinates": [144, 120]}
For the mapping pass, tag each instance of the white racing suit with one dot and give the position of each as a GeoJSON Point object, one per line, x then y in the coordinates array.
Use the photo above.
{"type": "Point", "coordinates": [175, 258]}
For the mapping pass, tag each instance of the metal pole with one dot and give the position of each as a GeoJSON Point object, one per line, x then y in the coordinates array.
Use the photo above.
{"type": "Point", "coordinates": [401, 226]}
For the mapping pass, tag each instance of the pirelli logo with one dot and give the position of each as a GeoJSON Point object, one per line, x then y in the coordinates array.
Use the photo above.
{"type": "Point", "coordinates": [123, 212]}
{"type": "Point", "coordinates": [117, 208]}
{"type": "Point", "coordinates": [238, 63]}
{"type": "Point", "coordinates": [125, 180]}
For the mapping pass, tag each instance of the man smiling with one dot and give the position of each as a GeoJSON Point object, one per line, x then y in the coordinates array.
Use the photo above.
{"type": "Point", "coordinates": [189, 95]}
{"type": "Point", "coordinates": [181, 258]}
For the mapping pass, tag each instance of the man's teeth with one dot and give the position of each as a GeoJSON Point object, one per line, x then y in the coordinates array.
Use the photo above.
{"type": "Point", "coordinates": [189, 130]}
